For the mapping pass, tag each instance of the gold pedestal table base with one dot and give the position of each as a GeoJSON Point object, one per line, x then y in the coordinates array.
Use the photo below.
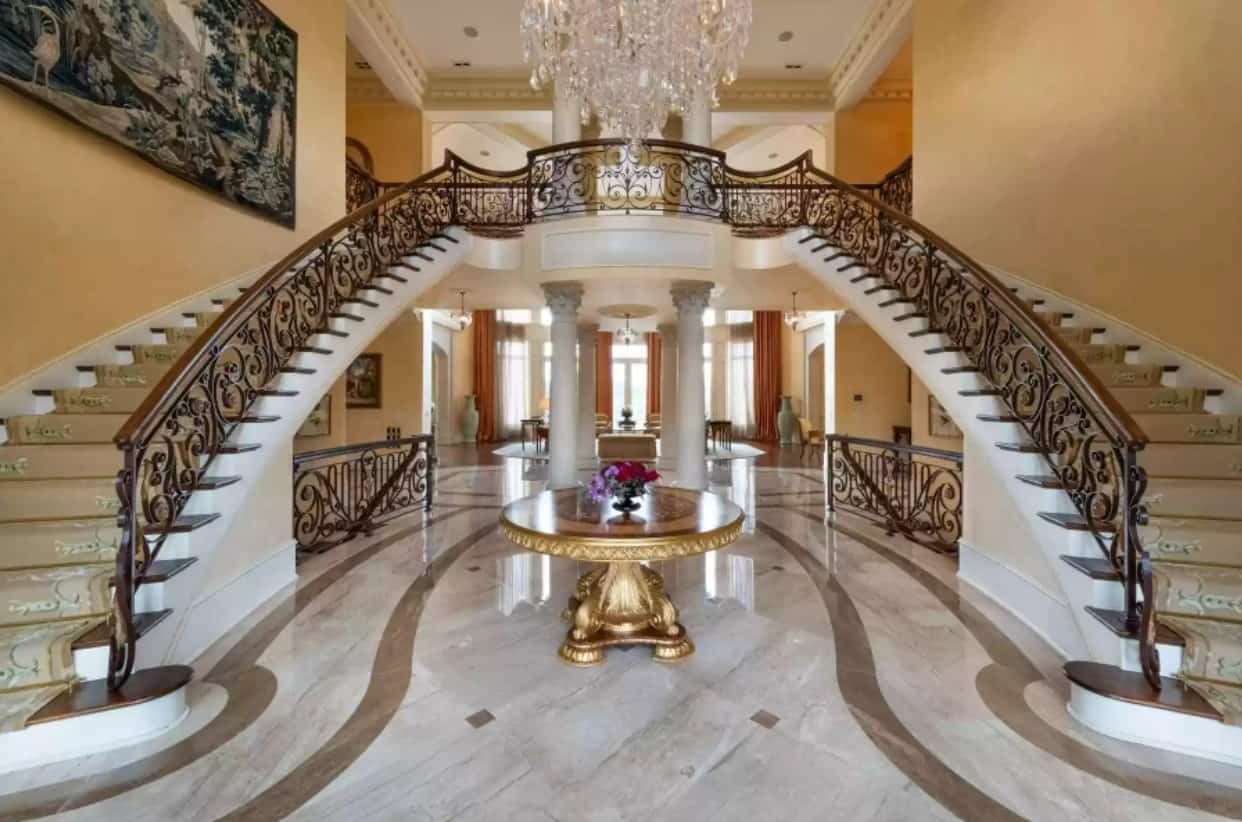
{"type": "Point", "coordinates": [623, 602]}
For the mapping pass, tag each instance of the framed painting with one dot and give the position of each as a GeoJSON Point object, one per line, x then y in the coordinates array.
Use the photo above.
{"type": "Point", "coordinates": [364, 382]}
{"type": "Point", "coordinates": [204, 89]}
{"type": "Point", "coordinates": [939, 423]}
{"type": "Point", "coordinates": [319, 422]}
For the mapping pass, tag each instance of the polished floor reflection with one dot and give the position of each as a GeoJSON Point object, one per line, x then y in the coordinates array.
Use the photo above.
{"type": "Point", "coordinates": [838, 675]}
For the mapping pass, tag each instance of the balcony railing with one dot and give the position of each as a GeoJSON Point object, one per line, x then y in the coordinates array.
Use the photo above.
{"type": "Point", "coordinates": [339, 493]}
{"type": "Point", "coordinates": [915, 492]}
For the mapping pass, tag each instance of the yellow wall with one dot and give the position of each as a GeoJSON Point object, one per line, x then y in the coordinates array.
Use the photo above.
{"type": "Point", "coordinates": [1093, 148]}
{"type": "Point", "coordinates": [919, 434]}
{"type": "Point", "coordinates": [866, 365]}
{"type": "Point", "coordinates": [400, 350]}
{"type": "Point", "coordinates": [96, 237]}
{"type": "Point", "coordinates": [793, 368]}
{"type": "Point", "coordinates": [872, 139]}
{"type": "Point", "coordinates": [338, 434]}
{"type": "Point", "coordinates": [393, 133]}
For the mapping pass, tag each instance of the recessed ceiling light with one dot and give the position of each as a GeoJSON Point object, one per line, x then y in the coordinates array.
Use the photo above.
{"type": "Point", "coordinates": [461, 64]}
{"type": "Point", "coordinates": [470, 31]}
{"type": "Point", "coordinates": [484, 153]}
{"type": "Point", "coordinates": [794, 66]}
{"type": "Point", "coordinates": [773, 156]}
{"type": "Point", "coordinates": [785, 36]}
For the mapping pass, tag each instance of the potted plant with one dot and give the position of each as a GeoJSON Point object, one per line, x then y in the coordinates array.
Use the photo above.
{"type": "Point", "coordinates": [623, 481]}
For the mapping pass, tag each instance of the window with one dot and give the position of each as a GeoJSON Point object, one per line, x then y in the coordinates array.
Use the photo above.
{"type": "Point", "coordinates": [517, 316]}
{"type": "Point", "coordinates": [629, 382]}
{"type": "Point", "coordinates": [514, 397]}
{"type": "Point", "coordinates": [740, 385]}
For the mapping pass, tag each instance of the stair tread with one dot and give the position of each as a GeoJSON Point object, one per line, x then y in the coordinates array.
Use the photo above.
{"type": "Point", "coordinates": [293, 369]}
{"type": "Point", "coordinates": [99, 635]}
{"type": "Point", "coordinates": [214, 483]}
{"type": "Point", "coordinates": [1094, 567]}
{"type": "Point", "coordinates": [996, 418]}
{"type": "Point", "coordinates": [239, 447]}
{"type": "Point", "coordinates": [94, 696]}
{"type": "Point", "coordinates": [1042, 480]}
{"type": "Point", "coordinates": [186, 523]}
{"type": "Point", "coordinates": [1131, 686]}
{"type": "Point", "coordinates": [1019, 447]}
{"type": "Point", "coordinates": [980, 392]}
{"type": "Point", "coordinates": [1073, 522]}
{"type": "Point", "coordinates": [163, 570]}
{"type": "Point", "coordinates": [1115, 621]}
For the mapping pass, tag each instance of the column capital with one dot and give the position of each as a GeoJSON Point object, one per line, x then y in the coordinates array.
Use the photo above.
{"type": "Point", "coordinates": [564, 298]}
{"type": "Point", "coordinates": [690, 297]}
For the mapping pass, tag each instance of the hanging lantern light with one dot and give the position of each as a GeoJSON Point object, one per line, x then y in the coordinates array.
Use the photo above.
{"type": "Point", "coordinates": [793, 316]}
{"type": "Point", "coordinates": [627, 335]}
{"type": "Point", "coordinates": [461, 317]}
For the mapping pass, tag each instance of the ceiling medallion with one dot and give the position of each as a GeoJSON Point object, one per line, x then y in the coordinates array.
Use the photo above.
{"type": "Point", "coordinates": [460, 317]}
{"type": "Point", "coordinates": [633, 62]}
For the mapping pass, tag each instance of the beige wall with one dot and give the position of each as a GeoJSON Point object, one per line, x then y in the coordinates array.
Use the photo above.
{"type": "Point", "coordinates": [392, 133]}
{"type": "Point", "coordinates": [872, 139]}
{"type": "Point", "coordinates": [1091, 147]}
{"type": "Point", "coordinates": [96, 237]}
{"type": "Point", "coordinates": [462, 377]}
{"type": "Point", "coordinates": [866, 365]}
{"type": "Point", "coordinates": [338, 434]}
{"type": "Point", "coordinates": [793, 368]}
{"type": "Point", "coordinates": [400, 349]}
{"type": "Point", "coordinates": [918, 420]}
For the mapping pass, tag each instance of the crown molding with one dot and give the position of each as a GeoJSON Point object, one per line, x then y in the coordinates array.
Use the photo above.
{"type": "Point", "coordinates": [368, 91]}
{"type": "Point", "coordinates": [380, 38]}
{"type": "Point", "coordinates": [889, 91]}
{"type": "Point", "coordinates": [882, 34]}
{"type": "Point", "coordinates": [776, 94]}
{"type": "Point", "coordinates": [507, 92]}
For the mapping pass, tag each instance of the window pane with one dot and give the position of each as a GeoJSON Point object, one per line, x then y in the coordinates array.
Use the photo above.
{"type": "Point", "coordinates": [709, 317]}
{"type": "Point", "coordinates": [739, 317]}
{"type": "Point", "coordinates": [707, 389]}
{"type": "Point", "coordinates": [638, 392]}
{"type": "Point", "coordinates": [545, 316]}
{"type": "Point", "coordinates": [618, 391]}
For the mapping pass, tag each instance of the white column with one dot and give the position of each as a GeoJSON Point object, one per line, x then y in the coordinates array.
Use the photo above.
{"type": "Point", "coordinates": [690, 299]}
{"type": "Point", "coordinates": [668, 392]}
{"type": "Point", "coordinates": [697, 121]}
{"type": "Point", "coordinates": [566, 118]}
{"type": "Point", "coordinates": [563, 298]}
{"type": "Point", "coordinates": [587, 333]}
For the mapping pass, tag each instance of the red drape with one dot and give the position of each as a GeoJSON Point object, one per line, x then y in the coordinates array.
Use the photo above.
{"type": "Point", "coordinates": [603, 373]}
{"type": "Point", "coordinates": [653, 372]}
{"type": "Point", "coordinates": [485, 373]}
{"type": "Point", "coordinates": [767, 374]}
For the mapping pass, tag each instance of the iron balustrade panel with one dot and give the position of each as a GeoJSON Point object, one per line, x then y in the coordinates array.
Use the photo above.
{"type": "Point", "coordinates": [341, 492]}
{"type": "Point", "coordinates": [917, 492]}
{"type": "Point", "coordinates": [896, 190]}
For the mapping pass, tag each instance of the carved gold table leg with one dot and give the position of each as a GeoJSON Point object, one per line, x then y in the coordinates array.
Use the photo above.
{"type": "Point", "coordinates": [622, 603]}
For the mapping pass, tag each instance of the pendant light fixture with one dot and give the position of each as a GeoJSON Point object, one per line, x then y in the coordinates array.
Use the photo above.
{"type": "Point", "coordinates": [461, 317]}
{"type": "Point", "coordinates": [627, 335]}
{"type": "Point", "coordinates": [794, 316]}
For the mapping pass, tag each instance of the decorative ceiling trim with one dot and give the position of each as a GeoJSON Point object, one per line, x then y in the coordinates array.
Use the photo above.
{"type": "Point", "coordinates": [454, 91]}
{"type": "Point", "coordinates": [379, 36]}
{"type": "Point", "coordinates": [887, 27]}
{"type": "Point", "coordinates": [800, 94]}
{"type": "Point", "coordinates": [885, 91]}
{"type": "Point", "coordinates": [368, 90]}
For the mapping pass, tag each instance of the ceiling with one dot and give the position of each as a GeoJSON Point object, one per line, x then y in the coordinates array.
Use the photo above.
{"type": "Point", "coordinates": [821, 31]}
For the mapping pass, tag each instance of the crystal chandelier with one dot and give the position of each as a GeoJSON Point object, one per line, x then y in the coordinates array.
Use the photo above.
{"type": "Point", "coordinates": [794, 316]}
{"type": "Point", "coordinates": [632, 62]}
{"type": "Point", "coordinates": [627, 335]}
{"type": "Point", "coordinates": [461, 317]}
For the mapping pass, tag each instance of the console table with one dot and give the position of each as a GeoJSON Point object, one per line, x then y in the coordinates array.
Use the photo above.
{"type": "Point", "coordinates": [623, 602]}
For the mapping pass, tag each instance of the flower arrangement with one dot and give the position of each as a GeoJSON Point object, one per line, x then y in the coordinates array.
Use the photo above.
{"type": "Point", "coordinates": [624, 480]}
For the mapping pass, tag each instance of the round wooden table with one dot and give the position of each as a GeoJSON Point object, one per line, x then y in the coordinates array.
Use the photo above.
{"type": "Point", "coordinates": [622, 603]}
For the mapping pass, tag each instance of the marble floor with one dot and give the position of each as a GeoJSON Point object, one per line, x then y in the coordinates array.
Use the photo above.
{"type": "Point", "coordinates": [839, 674]}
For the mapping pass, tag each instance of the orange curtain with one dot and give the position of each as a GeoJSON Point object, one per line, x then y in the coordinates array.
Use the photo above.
{"type": "Point", "coordinates": [485, 373]}
{"type": "Point", "coordinates": [653, 372]}
{"type": "Point", "coordinates": [767, 374]}
{"type": "Point", "coordinates": [603, 373]}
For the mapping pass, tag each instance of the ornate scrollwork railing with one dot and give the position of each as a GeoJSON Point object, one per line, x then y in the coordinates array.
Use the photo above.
{"type": "Point", "coordinates": [1089, 441]}
{"type": "Point", "coordinates": [339, 493]}
{"type": "Point", "coordinates": [916, 492]}
{"type": "Point", "coordinates": [361, 187]}
{"type": "Point", "coordinates": [896, 190]}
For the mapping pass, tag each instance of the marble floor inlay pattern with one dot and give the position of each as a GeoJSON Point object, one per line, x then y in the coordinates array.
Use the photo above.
{"type": "Point", "coordinates": [839, 674]}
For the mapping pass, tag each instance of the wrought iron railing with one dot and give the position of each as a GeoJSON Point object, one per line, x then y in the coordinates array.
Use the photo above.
{"type": "Point", "coordinates": [916, 492]}
{"type": "Point", "coordinates": [339, 493]}
{"type": "Point", "coordinates": [896, 190]}
{"type": "Point", "coordinates": [1089, 441]}
{"type": "Point", "coordinates": [361, 187]}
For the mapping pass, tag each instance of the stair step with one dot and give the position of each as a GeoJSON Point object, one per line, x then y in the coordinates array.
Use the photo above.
{"type": "Point", "coordinates": [1095, 567]}
{"type": "Point", "coordinates": [181, 335]}
{"type": "Point", "coordinates": [1019, 447]}
{"type": "Point", "coordinates": [293, 369]}
{"type": "Point", "coordinates": [277, 392]}
{"type": "Point", "coordinates": [925, 332]}
{"type": "Point", "coordinates": [343, 315]}
{"type": "Point", "coordinates": [878, 288]}
{"type": "Point", "coordinates": [868, 276]}
{"type": "Point", "coordinates": [127, 376]}
{"type": "Point", "coordinates": [1050, 481]}
{"type": "Point", "coordinates": [1074, 522]}
{"type": "Point", "coordinates": [1161, 400]}
{"type": "Point", "coordinates": [59, 499]}
{"type": "Point", "coordinates": [63, 429]}
{"type": "Point", "coordinates": [997, 418]}
{"type": "Point", "coordinates": [216, 483]}
{"type": "Point", "coordinates": [388, 275]}
{"type": "Point", "coordinates": [163, 570]}
{"type": "Point", "coordinates": [1193, 539]}
{"type": "Point", "coordinates": [332, 332]}
{"type": "Point", "coordinates": [945, 349]}
{"type": "Point", "coordinates": [95, 696]}
{"type": "Point", "coordinates": [897, 301]}
{"type": "Point", "coordinates": [41, 462]}
{"type": "Point", "coordinates": [1208, 498]}
{"type": "Point", "coordinates": [1220, 429]}
{"type": "Point", "coordinates": [1103, 354]}
{"type": "Point", "coordinates": [102, 400]}
{"type": "Point", "coordinates": [154, 353]}
{"type": "Point", "coordinates": [961, 369]}
{"type": "Point", "coordinates": [360, 301]}
{"type": "Point", "coordinates": [981, 392]}
{"type": "Point", "coordinates": [1076, 335]}
{"type": "Point", "coordinates": [143, 623]}
{"type": "Point", "coordinates": [1192, 460]}
{"type": "Point", "coordinates": [1122, 376]}
{"type": "Point", "coordinates": [1115, 621]}
{"type": "Point", "coordinates": [311, 349]}
{"type": "Point", "coordinates": [202, 319]}
{"type": "Point", "coordinates": [56, 543]}
{"type": "Point", "coordinates": [910, 315]}
{"type": "Point", "coordinates": [1131, 686]}
{"type": "Point", "coordinates": [184, 524]}
{"type": "Point", "coordinates": [239, 447]}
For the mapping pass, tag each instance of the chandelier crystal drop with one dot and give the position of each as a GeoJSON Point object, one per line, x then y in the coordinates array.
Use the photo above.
{"type": "Point", "coordinates": [627, 335]}
{"type": "Point", "coordinates": [794, 316]}
{"type": "Point", "coordinates": [460, 316]}
{"type": "Point", "coordinates": [633, 62]}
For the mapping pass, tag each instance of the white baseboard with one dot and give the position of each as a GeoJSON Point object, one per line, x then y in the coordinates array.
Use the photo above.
{"type": "Point", "coordinates": [216, 614]}
{"type": "Point", "coordinates": [1018, 594]}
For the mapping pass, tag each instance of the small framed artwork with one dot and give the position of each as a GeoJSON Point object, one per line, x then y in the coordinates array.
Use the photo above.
{"type": "Point", "coordinates": [363, 382]}
{"type": "Point", "coordinates": [319, 421]}
{"type": "Point", "coordinates": [939, 423]}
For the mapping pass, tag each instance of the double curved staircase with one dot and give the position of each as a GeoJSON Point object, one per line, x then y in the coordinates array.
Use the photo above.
{"type": "Point", "coordinates": [1133, 475]}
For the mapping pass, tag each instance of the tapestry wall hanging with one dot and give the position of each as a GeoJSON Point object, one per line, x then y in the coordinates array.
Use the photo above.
{"type": "Point", "coordinates": [205, 89]}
